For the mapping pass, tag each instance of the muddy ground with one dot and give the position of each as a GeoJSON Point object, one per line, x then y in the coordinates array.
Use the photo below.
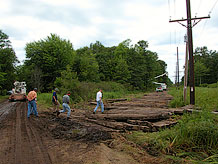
{"type": "Point", "coordinates": [85, 139]}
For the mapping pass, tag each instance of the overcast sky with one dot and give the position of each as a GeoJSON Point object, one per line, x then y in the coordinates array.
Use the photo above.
{"type": "Point", "coordinates": [111, 22]}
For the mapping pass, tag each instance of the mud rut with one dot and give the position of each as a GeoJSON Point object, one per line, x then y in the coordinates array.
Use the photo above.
{"type": "Point", "coordinates": [51, 140]}
{"type": "Point", "coordinates": [20, 142]}
{"type": "Point", "coordinates": [87, 138]}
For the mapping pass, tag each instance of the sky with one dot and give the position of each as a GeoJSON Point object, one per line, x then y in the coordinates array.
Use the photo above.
{"type": "Point", "coordinates": [111, 21]}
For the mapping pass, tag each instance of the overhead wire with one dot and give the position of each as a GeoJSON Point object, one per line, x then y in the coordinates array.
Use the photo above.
{"type": "Point", "coordinates": [198, 8]}
{"type": "Point", "coordinates": [213, 7]}
{"type": "Point", "coordinates": [174, 2]}
{"type": "Point", "coordinates": [196, 13]}
{"type": "Point", "coordinates": [169, 19]}
{"type": "Point", "coordinates": [175, 36]}
{"type": "Point", "coordinates": [206, 21]}
{"type": "Point", "coordinates": [169, 9]}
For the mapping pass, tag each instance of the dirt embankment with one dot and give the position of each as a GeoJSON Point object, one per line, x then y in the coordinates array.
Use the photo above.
{"type": "Point", "coordinates": [85, 139]}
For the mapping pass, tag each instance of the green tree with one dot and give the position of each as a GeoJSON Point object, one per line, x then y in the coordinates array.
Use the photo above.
{"type": "Point", "coordinates": [213, 67]}
{"type": "Point", "coordinates": [97, 47]}
{"type": "Point", "coordinates": [209, 59]}
{"type": "Point", "coordinates": [122, 73]}
{"type": "Point", "coordinates": [106, 61]}
{"type": "Point", "coordinates": [121, 68]}
{"type": "Point", "coordinates": [200, 72]}
{"type": "Point", "coordinates": [87, 68]}
{"type": "Point", "coordinates": [50, 57]}
{"type": "Point", "coordinates": [137, 68]}
{"type": "Point", "coordinates": [68, 81]}
{"type": "Point", "coordinates": [7, 63]}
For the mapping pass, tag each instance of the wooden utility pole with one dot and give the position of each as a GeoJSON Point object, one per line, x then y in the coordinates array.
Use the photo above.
{"type": "Point", "coordinates": [177, 66]}
{"type": "Point", "coordinates": [190, 48]}
{"type": "Point", "coordinates": [186, 70]}
{"type": "Point", "coordinates": [177, 69]}
{"type": "Point", "coordinates": [191, 58]}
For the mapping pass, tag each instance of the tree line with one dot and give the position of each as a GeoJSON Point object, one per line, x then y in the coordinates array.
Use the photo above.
{"type": "Point", "coordinates": [8, 61]}
{"type": "Point", "coordinates": [53, 62]}
{"type": "Point", "coordinates": [206, 66]}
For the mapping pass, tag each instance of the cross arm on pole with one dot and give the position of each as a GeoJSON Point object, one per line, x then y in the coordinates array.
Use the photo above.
{"type": "Point", "coordinates": [196, 18]}
{"type": "Point", "coordinates": [190, 48]}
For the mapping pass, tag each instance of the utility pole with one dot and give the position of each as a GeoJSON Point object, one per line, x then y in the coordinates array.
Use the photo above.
{"type": "Point", "coordinates": [176, 76]}
{"type": "Point", "coordinates": [177, 69]}
{"type": "Point", "coordinates": [190, 48]}
{"type": "Point", "coordinates": [191, 58]}
{"type": "Point", "coordinates": [186, 70]}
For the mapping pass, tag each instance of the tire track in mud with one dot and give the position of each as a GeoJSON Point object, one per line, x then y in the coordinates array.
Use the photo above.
{"type": "Point", "coordinates": [20, 141]}
{"type": "Point", "coordinates": [5, 109]}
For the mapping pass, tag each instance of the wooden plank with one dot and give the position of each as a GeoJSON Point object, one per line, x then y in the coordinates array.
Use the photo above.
{"type": "Point", "coordinates": [164, 124]}
{"type": "Point", "coordinates": [124, 117]}
{"type": "Point", "coordinates": [115, 100]}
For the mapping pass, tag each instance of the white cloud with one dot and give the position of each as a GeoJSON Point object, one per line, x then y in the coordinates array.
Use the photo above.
{"type": "Point", "coordinates": [87, 4]}
{"type": "Point", "coordinates": [110, 22]}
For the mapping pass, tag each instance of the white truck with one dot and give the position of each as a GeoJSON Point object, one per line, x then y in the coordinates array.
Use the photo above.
{"type": "Point", "coordinates": [162, 86]}
{"type": "Point", "coordinates": [18, 92]}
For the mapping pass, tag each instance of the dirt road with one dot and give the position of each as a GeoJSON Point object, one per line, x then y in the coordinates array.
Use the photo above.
{"type": "Point", "coordinates": [20, 141]}
{"type": "Point", "coordinates": [50, 140]}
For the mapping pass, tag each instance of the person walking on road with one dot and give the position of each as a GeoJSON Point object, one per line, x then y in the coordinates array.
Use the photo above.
{"type": "Point", "coordinates": [66, 101]}
{"type": "Point", "coordinates": [99, 102]}
{"type": "Point", "coordinates": [55, 101]}
{"type": "Point", "coordinates": [32, 101]}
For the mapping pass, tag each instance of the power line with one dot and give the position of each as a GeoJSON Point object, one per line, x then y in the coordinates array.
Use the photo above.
{"type": "Point", "coordinates": [213, 7]}
{"type": "Point", "coordinates": [198, 8]}
{"type": "Point", "coordinates": [174, 7]}
{"type": "Point", "coordinates": [190, 48]}
{"type": "Point", "coordinates": [205, 23]}
{"type": "Point", "coordinates": [202, 32]}
{"type": "Point", "coordinates": [169, 8]}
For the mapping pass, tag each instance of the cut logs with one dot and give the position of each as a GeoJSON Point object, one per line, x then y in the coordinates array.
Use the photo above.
{"type": "Point", "coordinates": [149, 113]}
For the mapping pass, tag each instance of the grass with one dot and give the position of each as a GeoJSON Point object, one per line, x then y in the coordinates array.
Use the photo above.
{"type": "Point", "coordinates": [44, 100]}
{"type": "Point", "coordinates": [2, 98]}
{"type": "Point", "coordinates": [112, 95]}
{"type": "Point", "coordinates": [194, 139]}
{"type": "Point", "coordinates": [205, 98]}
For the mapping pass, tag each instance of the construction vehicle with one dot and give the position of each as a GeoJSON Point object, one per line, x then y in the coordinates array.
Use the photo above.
{"type": "Point", "coordinates": [162, 86]}
{"type": "Point", "coordinates": [18, 92]}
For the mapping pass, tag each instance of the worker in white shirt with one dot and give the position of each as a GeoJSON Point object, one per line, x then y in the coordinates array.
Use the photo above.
{"type": "Point", "coordinates": [99, 102]}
